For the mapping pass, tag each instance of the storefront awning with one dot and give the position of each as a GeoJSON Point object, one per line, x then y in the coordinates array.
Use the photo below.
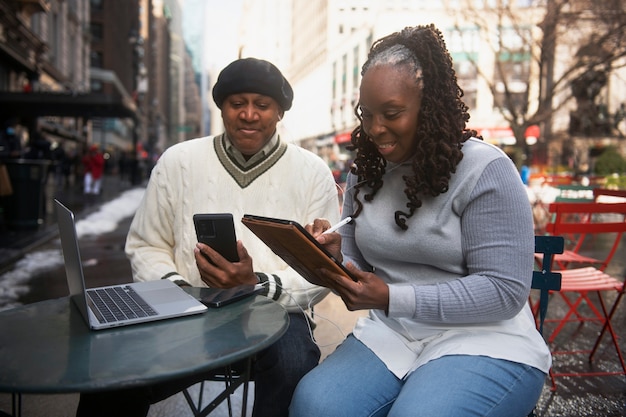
{"type": "Point", "coordinates": [343, 138]}
{"type": "Point", "coordinates": [85, 105]}
{"type": "Point", "coordinates": [503, 135]}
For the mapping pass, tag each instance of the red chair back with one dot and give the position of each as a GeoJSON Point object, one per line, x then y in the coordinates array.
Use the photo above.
{"type": "Point", "coordinates": [597, 218]}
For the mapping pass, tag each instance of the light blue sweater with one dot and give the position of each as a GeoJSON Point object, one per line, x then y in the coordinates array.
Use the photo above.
{"type": "Point", "coordinates": [459, 277]}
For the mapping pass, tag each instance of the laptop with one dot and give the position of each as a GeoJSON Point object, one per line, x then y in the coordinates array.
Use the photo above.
{"type": "Point", "coordinates": [122, 304]}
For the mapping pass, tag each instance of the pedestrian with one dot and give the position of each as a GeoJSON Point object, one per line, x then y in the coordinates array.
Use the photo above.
{"type": "Point", "coordinates": [442, 246]}
{"type": "Point", "coordinates": [93, 167]}
{"type": "Point", "coordinates": [10, 144]}
{"type": "Point", "coordinates": [69, 167]}
{"type": "Point", "coordinates": [39, 148]}
{"type": "Point", "coordinates": [59, 161]}
{"type": "Point", "coordinates": [247, 169]}
{"type": "Point", "coordinates": [123, 166]}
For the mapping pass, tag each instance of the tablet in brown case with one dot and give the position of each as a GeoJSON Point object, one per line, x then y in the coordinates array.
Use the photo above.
{"type": "Point", "coordinates": [289, 240]}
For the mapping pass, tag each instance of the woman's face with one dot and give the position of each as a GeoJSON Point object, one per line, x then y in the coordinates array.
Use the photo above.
{"type": "Point", "coordinates": [389, 103]}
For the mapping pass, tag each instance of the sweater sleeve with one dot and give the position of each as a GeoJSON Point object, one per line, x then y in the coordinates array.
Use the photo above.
{"type": "Point", "coordinates": [150, 240]}
{"type": "Point", "coordinates": [498, 246]}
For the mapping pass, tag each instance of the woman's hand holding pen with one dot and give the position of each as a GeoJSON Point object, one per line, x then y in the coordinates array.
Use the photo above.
{"type": "Point", "coordinates": [331, 241]}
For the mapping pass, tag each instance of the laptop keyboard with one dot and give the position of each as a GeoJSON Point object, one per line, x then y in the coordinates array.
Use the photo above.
{"type": "Point", "coordinates": [118, 303]}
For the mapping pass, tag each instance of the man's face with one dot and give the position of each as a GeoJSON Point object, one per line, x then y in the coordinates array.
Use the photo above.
{"type": "Point", "coordinates": [250, 120]}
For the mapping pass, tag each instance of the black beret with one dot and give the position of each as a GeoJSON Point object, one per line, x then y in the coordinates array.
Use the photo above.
{"type": "Point", "coordinates": [251, 75]}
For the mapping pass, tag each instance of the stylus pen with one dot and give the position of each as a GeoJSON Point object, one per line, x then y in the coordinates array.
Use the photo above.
{"type": "Point", "coordinates": [338, 225]}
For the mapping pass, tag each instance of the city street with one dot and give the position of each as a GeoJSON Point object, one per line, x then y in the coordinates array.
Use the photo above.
{"type": "Point", "coordinates": [93, 89]}
{"type": "Point", "coordinates": [102, 230]}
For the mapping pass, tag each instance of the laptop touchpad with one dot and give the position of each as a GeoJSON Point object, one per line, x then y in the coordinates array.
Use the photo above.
{"type": "Point", "coordinates": [165, 295]}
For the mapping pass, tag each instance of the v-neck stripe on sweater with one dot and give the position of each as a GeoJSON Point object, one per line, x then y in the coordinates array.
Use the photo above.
{"type": "Point", "coordinates": [244, 176]}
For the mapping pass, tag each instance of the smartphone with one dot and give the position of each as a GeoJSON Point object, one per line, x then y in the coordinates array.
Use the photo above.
{"type": "Point", "coordinates": [217, 230]}
{"type": "Point", "coordinates": [217, 297]}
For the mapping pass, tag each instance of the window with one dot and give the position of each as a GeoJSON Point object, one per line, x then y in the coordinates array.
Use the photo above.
{"type": "Point", "coordinates": [355, 67]}
{"type": "Point", "coordinates": [96, 5]}
{"type": "Point", "coordinates": [467, 76]}
{"type": "Point", "coordinates": [95, 59]}
{"type": "Point", "coordinates": [334, 87]}
{"type": "Point", "coordinates": [96, 32]}
{"type": "Point", "coordinates": [344, 70]}
{"type": "Point", "coordinates": [512, 68]}
{"type": "Point", "coordinates": [511, 76]}
{"type": "Point", "coordinates": [464, 45]}
{"type": "Point", "coordinates": [96, 86]}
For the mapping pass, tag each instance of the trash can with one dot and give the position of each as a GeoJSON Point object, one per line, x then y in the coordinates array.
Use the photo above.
{"type": "Point", "coordinates": [25, 208]}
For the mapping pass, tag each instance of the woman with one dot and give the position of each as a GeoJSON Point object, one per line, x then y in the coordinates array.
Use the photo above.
{"type": "Point", "coordinates": [442, 245]}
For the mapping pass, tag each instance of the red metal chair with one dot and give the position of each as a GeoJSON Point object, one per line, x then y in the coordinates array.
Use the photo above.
{"type": "Point", "coordinates": [605, 195]}
{"type": "Point", "coordinates": [584, 280]}
{"type": "Point", "coordinates": [571, 254]}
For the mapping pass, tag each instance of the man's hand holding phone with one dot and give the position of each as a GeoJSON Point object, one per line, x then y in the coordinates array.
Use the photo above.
{"type": "Point", "coordinates": [223, 262]}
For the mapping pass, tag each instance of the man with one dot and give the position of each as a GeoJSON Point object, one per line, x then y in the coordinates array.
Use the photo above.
{"type": "Point", "coordinates": [246, 170]}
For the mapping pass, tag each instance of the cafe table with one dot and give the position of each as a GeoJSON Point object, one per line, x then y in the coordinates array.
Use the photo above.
{"type": "Point", "coordinates": [46, 347]}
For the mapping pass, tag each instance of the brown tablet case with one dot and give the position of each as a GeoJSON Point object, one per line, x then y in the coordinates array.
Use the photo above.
{"type": "Point", "coordinates": [289, 240]}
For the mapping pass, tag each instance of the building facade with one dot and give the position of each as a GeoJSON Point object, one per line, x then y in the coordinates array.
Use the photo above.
{"type": "Point", "coordinates": [517, 88]}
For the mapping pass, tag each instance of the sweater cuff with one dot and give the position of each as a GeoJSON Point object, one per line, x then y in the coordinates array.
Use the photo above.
{"type": "Point", "coordinates": [272, 285]}
{"type": "Point", "coordinates": [401, 301]}
{"type": "Point", "coordinates": [176, 279]}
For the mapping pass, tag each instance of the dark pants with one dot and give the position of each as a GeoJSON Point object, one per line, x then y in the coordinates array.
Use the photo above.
{"type": "Point", "coordinates": [276, 372]}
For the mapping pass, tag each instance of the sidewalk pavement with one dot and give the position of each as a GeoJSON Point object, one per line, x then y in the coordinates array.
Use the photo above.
{"type": "Point", "coordinates": [14, 244]}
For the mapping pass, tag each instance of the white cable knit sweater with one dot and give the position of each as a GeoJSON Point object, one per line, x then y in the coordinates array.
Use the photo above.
{"type": "Point", "coordinates": [189, 178]}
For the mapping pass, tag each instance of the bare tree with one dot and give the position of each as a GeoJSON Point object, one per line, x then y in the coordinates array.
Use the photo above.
{"type": "Point", "coordinates": [546, 54]}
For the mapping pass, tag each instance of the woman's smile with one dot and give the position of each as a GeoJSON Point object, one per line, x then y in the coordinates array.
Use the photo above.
{"type": "Point", "coordinates": [386, 148]}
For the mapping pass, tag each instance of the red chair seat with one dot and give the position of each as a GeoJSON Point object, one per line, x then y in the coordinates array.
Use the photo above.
{"type": "Point", "coordinates": [571, 256]}
{"type": "Point", "coordinates": [588, 279]}
{"type": "Point", "coordinates": [585, 286]}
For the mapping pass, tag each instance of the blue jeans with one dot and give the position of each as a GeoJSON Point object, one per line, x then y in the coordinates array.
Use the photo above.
{"type": "Point", "coordinates": [276, 373]}
{"type": "Point", "coordinates": [353, 382]}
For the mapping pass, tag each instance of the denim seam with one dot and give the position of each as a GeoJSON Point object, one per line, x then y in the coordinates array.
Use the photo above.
{"type": "Point", "coordinates": [380, 408]}
{"type": "Point", "coordinates": [525, 370]}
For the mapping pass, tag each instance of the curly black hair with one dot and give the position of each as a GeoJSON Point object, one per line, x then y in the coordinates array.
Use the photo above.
{"type": "Point", "coordinates": [441, 122]}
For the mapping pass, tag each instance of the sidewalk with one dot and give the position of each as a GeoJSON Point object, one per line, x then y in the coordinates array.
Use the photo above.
{"type": "Point", "coordinates": [14, 244]}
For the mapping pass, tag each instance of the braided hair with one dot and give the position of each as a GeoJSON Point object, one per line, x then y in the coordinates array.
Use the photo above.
{"type": "Point", "coordinates": [441, 121]}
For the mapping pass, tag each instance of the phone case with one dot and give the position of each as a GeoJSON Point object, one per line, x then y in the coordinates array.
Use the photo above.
{"type": "Point", "coordinates": [216, 297]}
{"type": "Point", "coordinates": [217, 230]}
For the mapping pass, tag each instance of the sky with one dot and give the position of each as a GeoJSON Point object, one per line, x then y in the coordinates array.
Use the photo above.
{"type": "Point", "coordinates": [15, 282]}
{"type": "Point", "coordinates": [220, 21]}
{"type": "Point", "coordinates": [221, 32]}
